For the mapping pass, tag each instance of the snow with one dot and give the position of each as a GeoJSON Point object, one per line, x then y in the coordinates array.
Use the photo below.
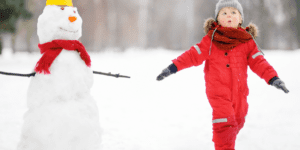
{"type": "Point", "coordinates": [141, 113]}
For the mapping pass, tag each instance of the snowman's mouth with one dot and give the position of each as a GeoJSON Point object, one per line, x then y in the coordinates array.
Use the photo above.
{"type": "Point", "coordinates": [68, 30]}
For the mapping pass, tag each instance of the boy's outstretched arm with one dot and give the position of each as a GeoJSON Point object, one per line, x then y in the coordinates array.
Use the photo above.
{"type": "Point", "coordinates": [259, 65]}
{"type": "Point", "coordinates": [192, 57]}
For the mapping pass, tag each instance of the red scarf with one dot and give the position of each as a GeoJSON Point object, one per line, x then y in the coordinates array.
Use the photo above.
{"type": "Point", "coordinates": [52, 49]}
{"type": "Point", "coordinates": [228, 38]}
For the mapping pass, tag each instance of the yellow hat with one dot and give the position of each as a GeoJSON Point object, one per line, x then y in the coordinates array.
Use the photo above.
{"type": "Point", "coordinates": [59, 2]}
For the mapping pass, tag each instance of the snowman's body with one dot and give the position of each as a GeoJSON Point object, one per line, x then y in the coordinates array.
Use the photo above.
{"type": "Point", "coordinates": [62, 115]}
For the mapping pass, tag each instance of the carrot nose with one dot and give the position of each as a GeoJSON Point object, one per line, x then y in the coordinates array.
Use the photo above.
{"type": "Point", "coordinates": [72, 18]}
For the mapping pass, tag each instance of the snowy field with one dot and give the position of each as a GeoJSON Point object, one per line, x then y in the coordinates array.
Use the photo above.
{"type": "Point", "coordinates": [143, 114]}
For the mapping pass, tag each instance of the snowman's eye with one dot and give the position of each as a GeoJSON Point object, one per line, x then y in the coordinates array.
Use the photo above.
{"type": "Point", "coordinates": [62, 8]}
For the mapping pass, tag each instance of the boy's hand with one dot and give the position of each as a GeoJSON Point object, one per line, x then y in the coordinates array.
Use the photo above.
{"type": "Point", "coordinates": [280, 85]}
{"type": "Point", "coordinates": [166, 72]}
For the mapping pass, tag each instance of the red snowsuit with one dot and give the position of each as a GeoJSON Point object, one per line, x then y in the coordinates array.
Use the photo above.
{"type": "Point", "coordinates": [226, 83]}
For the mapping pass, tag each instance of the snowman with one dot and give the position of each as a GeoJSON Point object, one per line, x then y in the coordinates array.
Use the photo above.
{"type": "Point", "coordinates": [62, 115]}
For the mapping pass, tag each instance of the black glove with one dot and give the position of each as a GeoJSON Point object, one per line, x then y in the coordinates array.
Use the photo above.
{"type": "Point", "coordinates": [278, 84]}
{"type": "Point", "coordinates": [166, 72]}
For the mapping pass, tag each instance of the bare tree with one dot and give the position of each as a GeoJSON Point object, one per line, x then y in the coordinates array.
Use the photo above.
{"type": "Point", "coordinates": [297, 21]}
{"type": "Point", "coordinates": [143, 23]}
{"type": "Point", "coordinates": [101, 36]}
{"type": "Point", "coordinates": [203, 9]}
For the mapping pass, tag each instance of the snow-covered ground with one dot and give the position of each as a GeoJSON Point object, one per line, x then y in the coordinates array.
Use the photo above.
{"type": "Point", "coordinates": [143, 114]}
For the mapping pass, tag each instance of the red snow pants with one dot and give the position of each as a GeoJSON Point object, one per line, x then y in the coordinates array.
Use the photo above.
{"type": "Point", "coordinates": [228, 120]}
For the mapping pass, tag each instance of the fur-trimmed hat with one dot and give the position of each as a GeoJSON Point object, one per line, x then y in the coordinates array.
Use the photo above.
{"type": "Point", "coordinates": [229, 3]}
{"type": "Point", "coordinates": [251, 28]}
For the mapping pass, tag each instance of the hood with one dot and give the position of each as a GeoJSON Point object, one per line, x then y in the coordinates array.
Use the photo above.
{"type": "Point", "coordinates": [251, 28]}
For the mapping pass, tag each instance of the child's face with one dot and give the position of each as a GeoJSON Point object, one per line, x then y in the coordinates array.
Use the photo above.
{"type": "Point", "coordinates": [229, 17]}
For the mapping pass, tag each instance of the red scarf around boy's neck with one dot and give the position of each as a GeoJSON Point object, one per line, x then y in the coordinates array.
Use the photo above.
{"type": "Point", "coordinates": [52, 49]}
{"type": "Point", "coordinates": [228, 38]}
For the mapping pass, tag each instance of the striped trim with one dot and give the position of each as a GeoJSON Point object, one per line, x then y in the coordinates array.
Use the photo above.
{"type": "Point", "coordinates": [257, 54]}
{"type": "Point", "coordinates": [220, 120]}
{"type": "Point", "coordinates": [198, 49]}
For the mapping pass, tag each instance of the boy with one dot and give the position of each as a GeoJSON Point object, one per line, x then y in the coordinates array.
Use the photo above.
{"type": "Point", "coordinates": [228, 49]}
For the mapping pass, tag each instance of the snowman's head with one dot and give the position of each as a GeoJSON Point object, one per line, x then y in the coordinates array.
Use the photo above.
{"type": "Point", "coordinates": [59, 22]}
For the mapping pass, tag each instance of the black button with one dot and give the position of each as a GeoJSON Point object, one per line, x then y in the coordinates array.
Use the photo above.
{"type": "Point", "coordinates": [227, 65]}
{"type": "Point", "coordinates": [226, 54]}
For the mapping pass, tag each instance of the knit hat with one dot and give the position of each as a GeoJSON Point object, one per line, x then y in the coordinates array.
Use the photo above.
{"type": "Point", "coordinates": [59, 2]}
{"type": "Point", "coordinates": [229, 3]}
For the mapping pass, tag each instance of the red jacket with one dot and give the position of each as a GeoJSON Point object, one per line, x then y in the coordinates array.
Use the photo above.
{"type": "Point", "coordinates": [226, 70]}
